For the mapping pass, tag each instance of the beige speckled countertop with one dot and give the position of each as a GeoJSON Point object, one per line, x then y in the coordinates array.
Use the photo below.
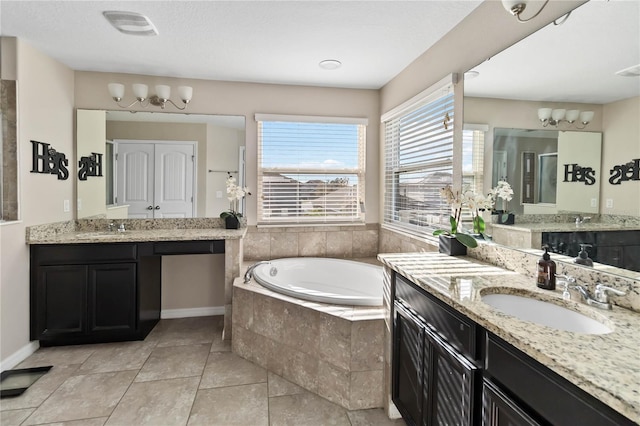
{"type": "Point", "coordinates": [138, 230]}
{"type": "Point", "coordinates": [607, 366]}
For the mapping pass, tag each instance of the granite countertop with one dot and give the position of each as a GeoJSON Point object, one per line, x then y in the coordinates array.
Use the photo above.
{"type": "Point", "coordinates": [86, 232]}
{"type": "Point", "coordinates": [606, 366]}
{"type": "Point", "coordinates": [566, 227]}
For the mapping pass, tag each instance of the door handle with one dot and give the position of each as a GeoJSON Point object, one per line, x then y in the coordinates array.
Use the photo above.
{"type": "Point", "coordinates": [157, 207]}
{"type": "Point", "coordinates": [150, 208]}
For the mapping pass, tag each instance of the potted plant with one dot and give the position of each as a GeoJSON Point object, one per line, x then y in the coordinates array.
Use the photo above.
{"type": "Point", "coordinates": [503, 191]}
{"type": "Point", "coordinates": [453, 241]}
{"type": "Point", "coordinates": [477, 203]}
{"type": "Point", "coordinates": [234, 195]}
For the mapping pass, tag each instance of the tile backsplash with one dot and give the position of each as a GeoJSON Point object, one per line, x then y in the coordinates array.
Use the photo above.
{"type": "Point", "coordinates": [347, 241]}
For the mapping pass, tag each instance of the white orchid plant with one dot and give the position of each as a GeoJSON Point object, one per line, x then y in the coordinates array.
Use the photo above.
{"type": "Point", "coordinates": [456, 202]}
{"type": "Point", "coordinates": [477, 203]}
{"type": "Point", "coordinates": [235, 193]}
{"type": "Point", "coordinates": [503, 191]}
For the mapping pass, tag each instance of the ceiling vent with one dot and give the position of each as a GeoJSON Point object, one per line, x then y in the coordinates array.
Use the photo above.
{"type": "Point", "coordinates": [633, 71]}
{"type": "Point", "coordinates": [131, 23]}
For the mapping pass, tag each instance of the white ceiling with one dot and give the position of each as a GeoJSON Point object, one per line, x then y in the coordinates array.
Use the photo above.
{"type": "Point", "coordinates": [572, 62]}
{"type": "Point", "coordinates": [249, 41]}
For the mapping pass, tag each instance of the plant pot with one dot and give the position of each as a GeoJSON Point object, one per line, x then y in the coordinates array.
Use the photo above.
{"type": "Point", "coordinates": [231, 222]}
{"type": "Point", "coordinates": [506, 219]}
{"type": "Point", "coordinates": [451, 246]}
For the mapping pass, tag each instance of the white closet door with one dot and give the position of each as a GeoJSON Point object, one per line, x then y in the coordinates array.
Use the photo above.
{"type": "Point", "coordinates": [135, 175]}
{"type": "Point", "coordinates": [174, 175]}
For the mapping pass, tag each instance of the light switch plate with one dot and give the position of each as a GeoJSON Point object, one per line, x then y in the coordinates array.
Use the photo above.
{"type": "Point", "coordinates": [609, 203]}
{"type": "Point", "coordinates": [594, 202]}
{"type": "Point", "coordinates": [66, 206]}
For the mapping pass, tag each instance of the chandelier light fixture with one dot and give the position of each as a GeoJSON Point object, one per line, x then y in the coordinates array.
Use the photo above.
{"type": "Point", "coordinates": [141, 91]}
{"type": "Point", "coordinates": [554, 117]}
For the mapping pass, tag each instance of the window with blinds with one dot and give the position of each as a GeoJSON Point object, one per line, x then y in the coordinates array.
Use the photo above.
{"type": "Point", "coordinates": [310, 169]}
{"type": "Point", "coordinates": [418, 163]}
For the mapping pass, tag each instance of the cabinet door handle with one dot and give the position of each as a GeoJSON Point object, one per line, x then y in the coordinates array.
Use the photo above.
{"type": "Point", "coordinates": [157, 207]}
{"type": "Point", "coordinates": [150, 208]}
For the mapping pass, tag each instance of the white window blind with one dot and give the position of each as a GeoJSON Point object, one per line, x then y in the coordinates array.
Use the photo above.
{"type": "Point", "coordinates": [473, 162]}
{"type": "Point", "coordinates": [310, 171]}
{"type": "Point", "coordinates": [418, 163]}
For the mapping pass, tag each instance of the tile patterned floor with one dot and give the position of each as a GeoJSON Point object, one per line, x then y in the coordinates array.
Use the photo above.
{"type": "Point", "coordinates": [181, 374]}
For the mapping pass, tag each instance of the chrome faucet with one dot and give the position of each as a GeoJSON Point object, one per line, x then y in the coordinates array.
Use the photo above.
{"type": "Point", "coordinates": [111, 227]}
{"type": "Point", "coordinates": [600, 298]}
{"type": "Point", "coordinates": [121, 228]}
{"type": "Point", "coordinates": [582, 219]}
{"type": "Point", "coordinates": [249, 274]}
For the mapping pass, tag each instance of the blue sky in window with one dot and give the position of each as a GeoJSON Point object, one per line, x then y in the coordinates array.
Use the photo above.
{"type": "Point", "coordinates": [302, 146]}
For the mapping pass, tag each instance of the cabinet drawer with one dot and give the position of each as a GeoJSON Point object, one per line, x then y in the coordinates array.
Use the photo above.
{"type": "Point", "coordinates": [188, 247]}
{"type": "Point", "coordinates": [458, 330]}
{"type": "Point", "coordinates": [546, 393]}
{"type": "Point", "coordinates": [84, 253]}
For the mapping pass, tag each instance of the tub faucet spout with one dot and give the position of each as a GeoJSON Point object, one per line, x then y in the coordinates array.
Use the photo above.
{"type": "Point", "coordinates": [249, 274]}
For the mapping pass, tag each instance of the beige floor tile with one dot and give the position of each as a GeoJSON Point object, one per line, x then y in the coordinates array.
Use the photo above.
{"type": "Point", "coordinates": [228, 369]}
{"type": "Point", "coordinates": [174, 361]}
{"type": "Point", "coordinates": [14, 417]}
{"type": "Point", "coordinates": [99, 421]}
{"type": "Point", "coordinates": [279, 386]}
{"type": "Point", "coordinates": [161, 402]}
{"type": "Point", "coordinates": [117, 357]}
{"type": "Point", "coordinates": [40, 390]}
{"type": "Point", "coordinates": [219, 345]}
{"type": "Point", "coordinates": [83, 397]}
{"type": "Point", "coordinates": [190, 331]}
{"type": "Point", "coordinates": [60, 355]}
{"type": "Point", "coordinates": [305, 409]}
{"type": "Point", "coordinates": [372, 417]}
{"type": "Point", "coordinates": [235, 405]}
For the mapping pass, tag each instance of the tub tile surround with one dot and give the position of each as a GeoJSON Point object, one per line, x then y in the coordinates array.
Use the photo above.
{"type": "Point", "coordinates": [333, 351]}
{"type": "Point", "coordinates": [339, 241]}
{"type": "Point", "coordinates": [606, 366]}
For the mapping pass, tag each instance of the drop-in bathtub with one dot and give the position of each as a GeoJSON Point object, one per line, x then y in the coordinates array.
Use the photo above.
{"type": "Point", "coordinates": [325, 280]}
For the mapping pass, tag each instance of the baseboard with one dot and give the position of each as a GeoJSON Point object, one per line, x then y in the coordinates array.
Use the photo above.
{"type": "Point", "coordinates": [192, 312]}
{"type": "Point", "coordinates": [19, 356]}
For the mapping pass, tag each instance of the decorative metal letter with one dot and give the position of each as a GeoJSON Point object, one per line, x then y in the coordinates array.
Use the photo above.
{"type": "Point", "coordinates": [625, 172]}
{"type": "Point", "coordinates": [90, 166]}
{"type": "Point", "coordinates": [47, 160]}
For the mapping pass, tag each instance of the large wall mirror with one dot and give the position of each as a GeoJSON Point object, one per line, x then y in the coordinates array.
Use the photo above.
{"type": "Point", "coordinates": [576, 63]}
{"type": "Point", "coordinates": [156, 165]}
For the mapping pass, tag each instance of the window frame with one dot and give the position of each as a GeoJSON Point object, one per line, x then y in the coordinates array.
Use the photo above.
{"type": "Point", "coordinates": [359, 172]}
{"type": "Point", "coordinates": [447, 87]}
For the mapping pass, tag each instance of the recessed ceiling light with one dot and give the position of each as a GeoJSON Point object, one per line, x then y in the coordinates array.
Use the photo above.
{"type": "Point", "coordinates": [633, 71]}
{"type": "Point", "coordinates": [130, 23]}
{"type": "Point", "coordinates": [330, 64]}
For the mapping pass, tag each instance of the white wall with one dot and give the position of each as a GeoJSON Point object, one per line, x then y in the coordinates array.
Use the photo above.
{"type": "Point", "coordinates": [45, 114]}
{"type": "Point", "coordinates": [620, 145]}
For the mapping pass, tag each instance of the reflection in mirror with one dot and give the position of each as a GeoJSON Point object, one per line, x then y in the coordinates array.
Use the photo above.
{"type": "Point", "coordinates": [512, 86]}
{"type": "Point", "coordinates": [158, 165]}
{"type": "Point", "coordinates": [550, 171]}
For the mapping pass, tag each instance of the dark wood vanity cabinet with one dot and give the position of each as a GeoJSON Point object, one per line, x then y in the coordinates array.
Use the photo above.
{"type": "Point", "coordinates": [433, 382]}
{"type": "Point", "coordinates": [86, 293]}
{"type": "Point", "coordinates": [447, 370]}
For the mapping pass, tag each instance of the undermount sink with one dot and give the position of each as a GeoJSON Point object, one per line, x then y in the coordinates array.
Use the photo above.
{"type": "Point", "coordinates": [545, 313]}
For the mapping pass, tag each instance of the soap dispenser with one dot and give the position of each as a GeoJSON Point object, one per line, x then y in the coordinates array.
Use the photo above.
{"type": "Point", "coordinates": [546, 271]}
{"type": "Point", "coordinates": [583, 256]}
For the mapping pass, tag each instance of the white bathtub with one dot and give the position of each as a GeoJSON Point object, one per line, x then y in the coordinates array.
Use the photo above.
{"type": "Point", "coordinates": [326, 280]}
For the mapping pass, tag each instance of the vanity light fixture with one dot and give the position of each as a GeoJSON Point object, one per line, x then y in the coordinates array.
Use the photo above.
{"type": "Point", "coordinates": [140, 91]}
{"type": "Point", "coordinates": [516, 7]}
{"type": "Point", "coordinates": [554, 117]}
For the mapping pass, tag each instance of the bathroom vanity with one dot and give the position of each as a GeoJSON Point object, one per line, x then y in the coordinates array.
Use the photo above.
{"type": "Point", "coordinates": [456, 360]}
{"type": "Point", "coordinates": [90, 287]}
